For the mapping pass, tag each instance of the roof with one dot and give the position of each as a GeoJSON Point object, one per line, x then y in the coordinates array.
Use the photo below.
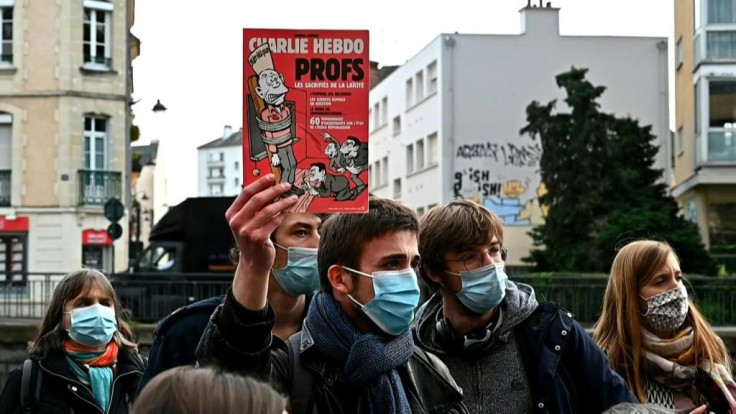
{"type": "Point", "coordinates": [234, 140]}
{"type": "Point", "coordinates": [147, 155]}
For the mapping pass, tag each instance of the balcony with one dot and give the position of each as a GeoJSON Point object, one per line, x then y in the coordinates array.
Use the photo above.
{"type": "Point", "coordinates": [96, 187]}
{"type": "Point", "coordinates": [4, 188]}
{"type": "Point", "coordinates": [721, 147]}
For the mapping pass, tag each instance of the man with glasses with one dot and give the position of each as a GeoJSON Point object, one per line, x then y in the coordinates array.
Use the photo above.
{"type": "Point", "coordinates": [509, 353]}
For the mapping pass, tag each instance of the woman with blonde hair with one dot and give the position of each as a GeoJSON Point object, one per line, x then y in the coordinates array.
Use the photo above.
{"type": "Point", "coordinates": [83, 358]}
{"type": "Point", "coordinates": [189, 390]}
{"type": "Point", "coordinates": [656, 338]}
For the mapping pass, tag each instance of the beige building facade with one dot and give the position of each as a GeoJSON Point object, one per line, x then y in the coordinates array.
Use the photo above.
{"type": "Point", "coordinates": [65, 88]}
{"type": "Point", "coordinates": [703, 162]}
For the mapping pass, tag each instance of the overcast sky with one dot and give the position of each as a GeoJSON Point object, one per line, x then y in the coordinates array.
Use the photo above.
{"type": "Point", "coordinates": [191, 53]}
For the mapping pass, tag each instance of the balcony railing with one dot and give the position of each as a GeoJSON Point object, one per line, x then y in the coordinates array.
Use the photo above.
{"type": "Point", "coordinates": [4, 188]}
{"type": "Point", "coordinates": [722, 145]}
{"type": "Point", "coordinates": [96, 187]}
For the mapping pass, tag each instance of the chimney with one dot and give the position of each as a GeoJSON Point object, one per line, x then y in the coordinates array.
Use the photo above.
{"type": "Point", "coordinates": [539, 20]}
{"type": "Point", "coordinates": [373, 74]}
{"type": "Point", "coordinates": [227, 132]}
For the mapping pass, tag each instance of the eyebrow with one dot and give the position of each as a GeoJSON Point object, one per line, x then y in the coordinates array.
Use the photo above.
{"type": "Point", "coordinates": [398, 256]}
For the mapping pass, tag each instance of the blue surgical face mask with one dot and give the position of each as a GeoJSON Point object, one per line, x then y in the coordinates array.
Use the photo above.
{"type": "Point", "coordinates": [396, 294]}
{"type": "Point", "coordinates": [93, 325]}
{"type": "Point", "coordinates": [300, 276]}
{"type": "Point", "coordinates": [483, 288]}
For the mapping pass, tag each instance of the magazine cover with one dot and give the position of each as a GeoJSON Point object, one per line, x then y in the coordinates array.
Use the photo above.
{"type": "Point", "coordinates": [305, 115]}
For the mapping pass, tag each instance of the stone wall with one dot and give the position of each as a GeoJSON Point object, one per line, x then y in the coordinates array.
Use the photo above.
{"type": "Point", "coordinates": [14, 337]}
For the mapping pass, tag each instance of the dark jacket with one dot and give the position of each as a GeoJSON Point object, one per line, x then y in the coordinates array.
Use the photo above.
{"type": "Point", "coordinates": [565, 369]}
{"type": "Point", "coordinates": [240, 340]}
{"type": "Point", "coordinates": [176, 337]}
{"type": "Point", "coordinates": [61, 392]}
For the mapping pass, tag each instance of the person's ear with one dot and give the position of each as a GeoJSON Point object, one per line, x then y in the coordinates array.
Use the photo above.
{"type": "Point", "coordinates": [432, 275]}
{"type": "Point", "coordinates": [339, 279]}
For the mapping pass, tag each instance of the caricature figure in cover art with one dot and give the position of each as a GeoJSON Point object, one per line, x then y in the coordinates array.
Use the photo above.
{"type": "Point", "coordinates": [275, 119]}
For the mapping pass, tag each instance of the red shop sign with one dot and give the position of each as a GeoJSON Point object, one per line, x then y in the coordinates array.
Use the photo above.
{"type": "Point", "coordinates": [96, 237]}
{"type": "Point", "coordinates": [18, 224]}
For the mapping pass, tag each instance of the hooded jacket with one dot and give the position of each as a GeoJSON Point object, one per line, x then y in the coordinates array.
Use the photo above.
{"type": "Point", "coordinates": [565, 370]}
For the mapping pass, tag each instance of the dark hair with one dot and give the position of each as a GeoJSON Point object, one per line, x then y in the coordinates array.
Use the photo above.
{"type": "Point", "coordinates": [343, 235]}
{"type": "Point", "coordinates": [319, 165]}
{"type": "Point", "coordinates": [190, 390]}
{"type": "Point", "coordinates": [51, 333]}
{"type": "Point", "coordinates": [452, 227]}
{"type": "Point", "coordinates": [355, 140]}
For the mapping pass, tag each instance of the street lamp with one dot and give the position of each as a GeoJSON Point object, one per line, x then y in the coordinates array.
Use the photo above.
{"type": "Point", "coordinates": [159, 107]}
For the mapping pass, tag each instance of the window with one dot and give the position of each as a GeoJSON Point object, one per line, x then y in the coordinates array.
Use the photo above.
{"type": "Point", "coordinates": [432, 78]}
{"type": "Point", "coordinates": [722, 104]}
{"type": "Point", "coordinates": [697, 109]}
{"type": "Point", "coordinates": [432, 149]}
{"type": "Point", "coordinates": [6, 146]}
{"type": "Point", "coordinates": [97, 38]}
{"type": "Point", "coordinates": [397, 188]}
{"type": "Point", "coordinates": [384, 111]}
{"type": "Point", "coordinates": [236, 165]}
{"type": "Point", "coordinates": [372, 182]}
{"type": "Point", "coordinates": [696, 15]}
{"type": "Point", "coordinates": [6, 34]}
{"type": "Point", "coordinates": [420, 154]}
{"type": "Point", "coordinates": [679, 54]}
{"type": "Point", "coordinates": [222, 156]}
{"type": "Point", "coordinates": [721, 11]}
{"type": "Point", "coordinates": [721, 44]}
{"type": "Point", "coordinates": [95, 143]}
{"type": "Point", "coordinates": [409, 92]}
{"type": "Point", "coordinates": [680, 142]}
{"type": "Point", "coordinates": [237, 182]}
{"type": "Point", "coordinates": [376, 116]}
{"type": "Point", "coordinates": [397, 125]}
{"type": "Point", "coordinates": [378, 180]}
{"type": "Point", "coordinates": [410, 158]}
{"type": "Point", "coordinates": [420, 85]}
{"type": "Point", "coordinates": [420, 211]}
{"type": "Point", "coordinates": [384, 171]}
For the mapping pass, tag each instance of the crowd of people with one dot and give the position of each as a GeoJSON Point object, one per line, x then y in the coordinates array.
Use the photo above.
{"type": "Point", "coordinates": [324, 316]}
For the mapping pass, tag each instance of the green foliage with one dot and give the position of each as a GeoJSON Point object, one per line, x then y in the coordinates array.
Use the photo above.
{"type": "Point", "coordinates": [602, 189]}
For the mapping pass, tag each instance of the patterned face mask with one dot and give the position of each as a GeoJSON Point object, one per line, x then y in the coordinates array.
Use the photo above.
{"type": "Point", "coordinates": [667, 311]}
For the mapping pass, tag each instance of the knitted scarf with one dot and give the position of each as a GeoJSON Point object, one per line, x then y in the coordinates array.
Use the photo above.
{"type": "Point", "coordinates": [369, 360]}
{"type": "Point", "coordinates": [671, 362]}
{"type": "Point", "coordinates": [94, 368]}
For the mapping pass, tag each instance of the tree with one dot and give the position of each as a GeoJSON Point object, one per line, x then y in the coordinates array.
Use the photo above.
{"type": "Point", "coordinates": [602, 188]}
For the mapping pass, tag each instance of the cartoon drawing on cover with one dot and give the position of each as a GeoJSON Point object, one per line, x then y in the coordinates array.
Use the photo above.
{"type": "Point", "coordinates": [332, 151]}
{"type": "Point", "coordinates": [322, 184]}
{"type": "Point", "coordinates": [274, 121]}
{"type": "Point", "coordinates": [356, 159]}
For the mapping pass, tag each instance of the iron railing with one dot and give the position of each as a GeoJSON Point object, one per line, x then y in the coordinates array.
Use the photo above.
{"type": "Point", "coordinates": [97, 187]}
{"type": "Point", "coordinates": [5, 188]}
{"type": "Point", "coordinates": [150, 297]}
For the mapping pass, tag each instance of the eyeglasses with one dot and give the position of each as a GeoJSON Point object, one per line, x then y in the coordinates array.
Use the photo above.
{"type": "Point", "coordinates": [472, 261]}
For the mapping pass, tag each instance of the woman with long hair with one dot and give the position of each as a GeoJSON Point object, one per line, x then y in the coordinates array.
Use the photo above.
{"type": "Point", "coordinates": [83, 358]}
{"type": "Point", "coordinates": [189, 390]}
{"type": "Point", "coordinates": [656, 338]}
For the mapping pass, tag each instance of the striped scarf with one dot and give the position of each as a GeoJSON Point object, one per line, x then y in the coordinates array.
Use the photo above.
{"type": "Point", "coordinates": [93, 368]}
{"type": "Point", "coordinates": [671, 363]}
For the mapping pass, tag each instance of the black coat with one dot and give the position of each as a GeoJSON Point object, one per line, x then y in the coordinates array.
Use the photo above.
{"type": "Point", "coordinates": [240, 340]}
{"type": "Point", "coordinates": [61, 392]}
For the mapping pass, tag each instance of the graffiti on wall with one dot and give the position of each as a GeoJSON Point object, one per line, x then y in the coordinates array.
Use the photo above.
{"type": "Point", "coordinates": [508, 154]}
{"type": "Point", "coordinates": [507, 184]}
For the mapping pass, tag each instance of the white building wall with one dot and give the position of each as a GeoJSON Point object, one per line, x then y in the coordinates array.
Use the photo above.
{"type": "Point", "coordinates": [209, 174]}
{"type": "Point", "coordinates": [485, 84]}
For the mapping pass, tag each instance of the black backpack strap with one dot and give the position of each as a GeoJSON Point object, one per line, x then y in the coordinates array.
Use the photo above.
{"type": "Point", "coordinates": [301, 379]}
{"type": "Point", "coordinates": [29, 395]}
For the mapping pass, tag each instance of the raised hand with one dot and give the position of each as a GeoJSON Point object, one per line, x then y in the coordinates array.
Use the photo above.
{"type": "Point", "coordinates": [252, 217]}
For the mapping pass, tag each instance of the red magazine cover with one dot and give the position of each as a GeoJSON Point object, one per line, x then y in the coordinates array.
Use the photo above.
{"type": "Point", "coordinates": [305, 115]}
